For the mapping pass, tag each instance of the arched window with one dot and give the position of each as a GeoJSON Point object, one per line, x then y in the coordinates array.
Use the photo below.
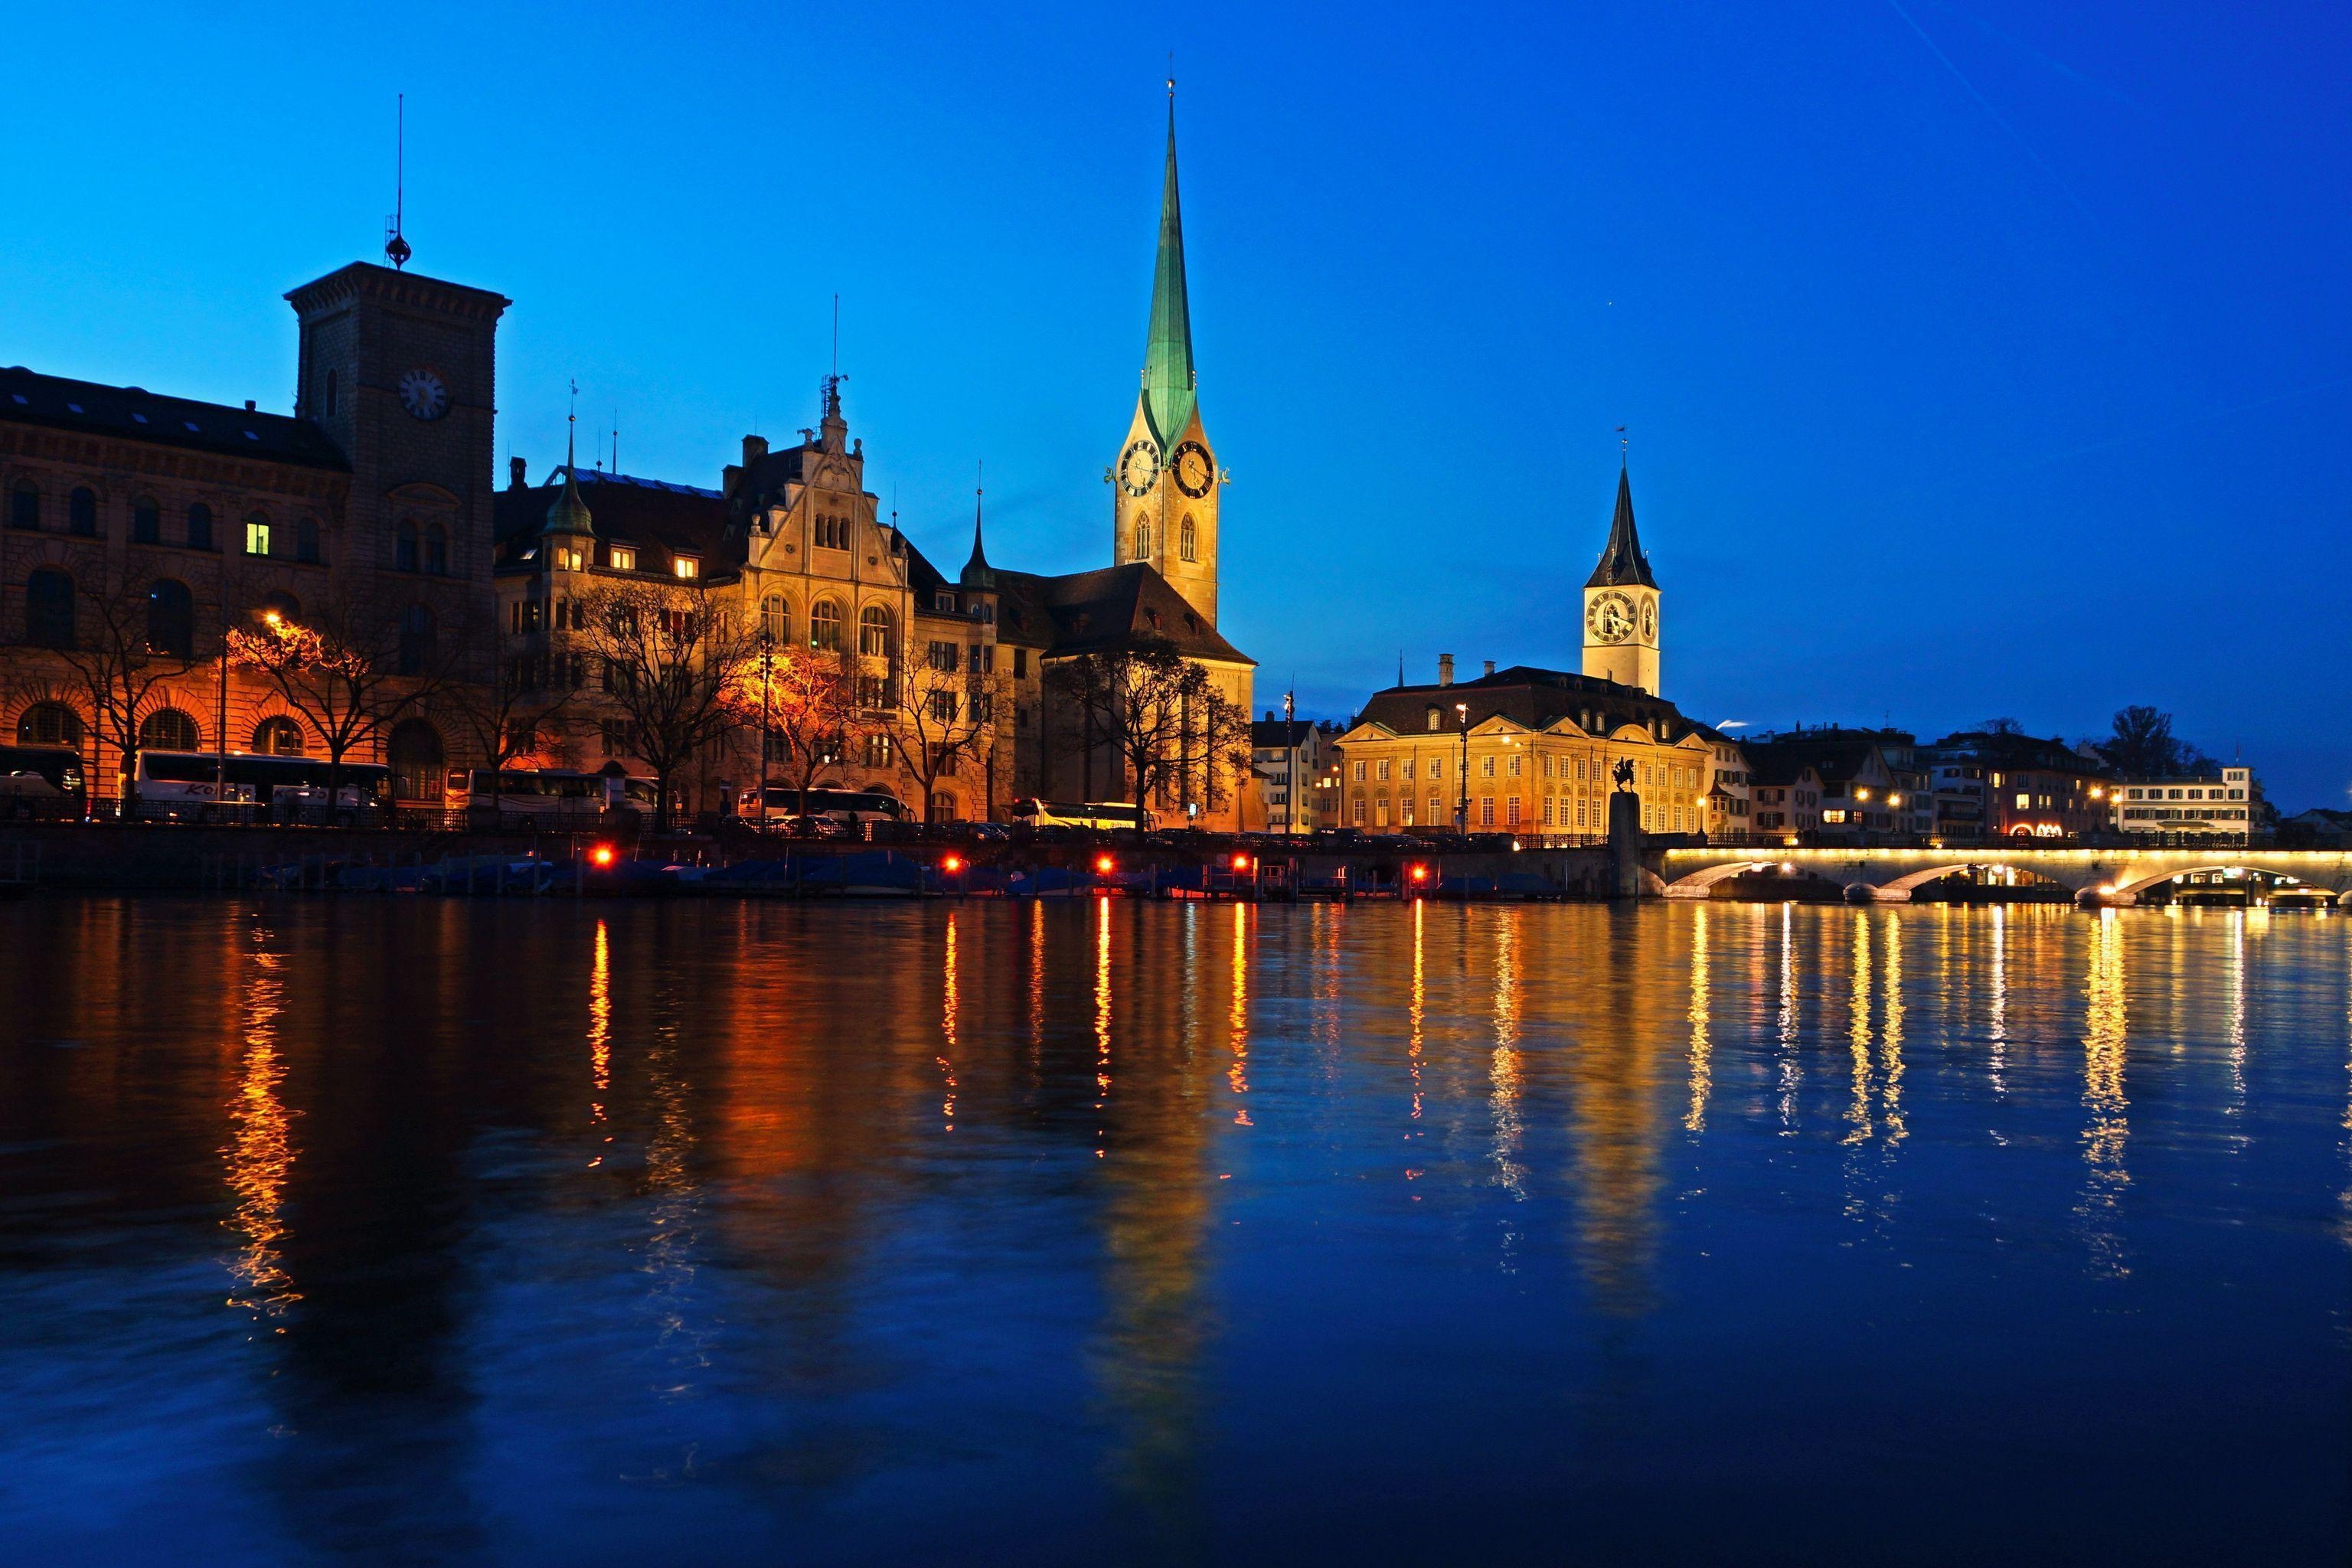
{"type": "Point", "coordinates": [416, 639]}
{"type": "Point", "coordinates": [332, 390]}
{"type": "Point", "coordinates": [257, 533]}
{"type": "Point", "coordinates": [170, 619]}
{"type": "Point", "coordinates": [824, 626]}
{"type": "Point", "coordinates": [776, 620]}
{"type": "Point", "coordinates": [277, 736]}
{"type": "Point", "coordinates": [49, 724]}
{"type": "Point", "coordinates": [169, 729]}
{"type": "Point", "coordinates": [49, 608]}
{"type": "Point", "coordinates": [24, 505]}
{"type": "Point", "coordinates": [200, 526]}
{"type": "Point", "coordinates": [1142, 540]}
{"type": "Point", "coordinates": [1190, 541]}
{"type": "Point", "coordinates": [416, 757]}
{"type": "Point", "coordinates": [404, 545]}
{"type": "Point", "coordinates": [81, 511]}
{"type": "Point", "coordinates": [436, 550]}
{"type": "Point", "coordinates": [286, 606]}
{"type": "Point", "coordinates": [874, 632]}
{"type": "Point", "coordinates": [1436, 718]}
{"type": "Point", "coordinates": [306, 540]}
{"type": "Point", "coordinates": [146, 521]}
{"type": "Point", "coordinates": [943, 806]}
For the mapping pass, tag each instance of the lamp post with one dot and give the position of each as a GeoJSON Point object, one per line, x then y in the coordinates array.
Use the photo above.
{"type": "Point", "coordinates": [1462, 805]}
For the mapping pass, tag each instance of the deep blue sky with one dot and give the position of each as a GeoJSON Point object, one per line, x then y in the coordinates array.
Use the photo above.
{"type": "Point", "coordinates": [1983, 360]}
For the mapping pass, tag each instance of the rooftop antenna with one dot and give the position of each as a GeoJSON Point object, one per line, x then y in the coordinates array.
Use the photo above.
{"type": "Point", "coordinates": [394, 246]}
{"type": "Point", "coordinates": [1624, 448]}
{"type": "Point", "coordinates": [836, 337]}
{"type": "Point", "coordinates": [616, 441]}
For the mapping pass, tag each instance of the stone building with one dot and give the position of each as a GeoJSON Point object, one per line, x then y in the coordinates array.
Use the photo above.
{"type": "Point", "coordinates": [159, 523]}
{"type": "Point", "coordinates": [1533, 751]}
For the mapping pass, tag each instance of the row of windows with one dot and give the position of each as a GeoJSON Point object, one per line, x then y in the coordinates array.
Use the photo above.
{"type": "Point", "coordinates": [2194, 793]}
{"type": "Point", "coordinates": [1558, 811]}
{"type": "Point", "coordinates": [301, 541]}
{"type": "Point", "coordinates": [1650, 774]}
{"type": "Point", "coordinates": [1188, 540]}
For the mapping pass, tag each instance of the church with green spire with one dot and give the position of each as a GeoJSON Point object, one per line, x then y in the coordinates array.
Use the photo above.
{"type": "Point", "coordinates": [1166, 481]}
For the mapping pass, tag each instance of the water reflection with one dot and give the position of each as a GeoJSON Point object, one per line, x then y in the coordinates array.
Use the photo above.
{"type": "Point", "coordinates": [741, 1299]}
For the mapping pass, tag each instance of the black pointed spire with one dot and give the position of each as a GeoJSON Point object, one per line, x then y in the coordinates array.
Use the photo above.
{"type": "Point", "coordinates": [1621, 560]}
{"type": "Point", "coordinates": [977, 572]}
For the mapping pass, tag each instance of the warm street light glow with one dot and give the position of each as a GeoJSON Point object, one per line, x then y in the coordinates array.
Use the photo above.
{"type": "Point", "coordinates": [1103, 864]}
{"type": "Point", "coordinates": [272, 616]}
{"type": "Point", "coordinates": [602, 855]}
{"type": "Point", "coordinates": [952, 864]}
{"type": "Point", "coordinates": [1420, 872]}
{"type": "Point", "coordinates": [1241, 862]}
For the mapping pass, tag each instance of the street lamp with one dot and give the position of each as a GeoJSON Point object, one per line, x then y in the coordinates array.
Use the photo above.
{"type": "Point", "coordinates": [1462, 806]}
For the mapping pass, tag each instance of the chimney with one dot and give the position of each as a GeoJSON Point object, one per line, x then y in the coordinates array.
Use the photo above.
{"type": "Point", "coordinates": [754, 449]}
{"type": "Point", "coordinates": [1490, 666]}
{"type": "Point", "coordinates": [249, 405]}
{"type": "Point", "coordinates": [518, 474]}
{"type": "Point", "coordinates": [1444, 669]}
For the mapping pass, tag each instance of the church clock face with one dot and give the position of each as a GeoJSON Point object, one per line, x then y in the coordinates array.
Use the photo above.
{"type": "Point", "coordinates": [424, 393]}
{"type": "Point", "coordinates": [1609, 617]}
{"type": "Point", "coordinates": [1194, 472]}
{"type": "Point", "coordinates": [1138, 466]}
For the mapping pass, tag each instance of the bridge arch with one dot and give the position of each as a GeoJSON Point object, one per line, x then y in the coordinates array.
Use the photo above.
{"type": "Point", "coordinates": [2128, 893]}
{"type": "Point", "coordinates": [1699, 884]}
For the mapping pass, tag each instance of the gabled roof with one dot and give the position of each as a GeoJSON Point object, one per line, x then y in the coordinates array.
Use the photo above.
{"type": "Point", "coordinates": [1621, 560]}
{"type": "Point", "coordinates": [1836, 758]}
{"type": "Point", "coordinates": [133, 413]}
{"type": "Point", "coordinates": [1114, 607]}
{"type": "Point", "coordinates": [677, 519]}
{"type": "Point", "coordinates": [1277, 734]}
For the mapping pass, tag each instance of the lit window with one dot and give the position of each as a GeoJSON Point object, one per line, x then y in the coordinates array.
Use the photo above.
{"type": "Point", "coordinates": [623, 558]}
{"type": "Point", "coordinates": [256, 536]}
{"type": "Point", "coordinates": [688, 567]}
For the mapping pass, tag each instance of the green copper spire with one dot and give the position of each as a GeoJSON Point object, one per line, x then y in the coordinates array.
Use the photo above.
{"type": "Point", "coordinates": [567, 513]}
{"type": "Point", "coordinates": [1168, 377]}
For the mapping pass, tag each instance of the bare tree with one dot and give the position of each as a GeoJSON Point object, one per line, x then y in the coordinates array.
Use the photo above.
{"type": "Point", "coordinates": [354, 667]}
{"type": "Point", "coordinates": [518, 707]}
{"type": "Point", "coordinates": [676, 659]}
{"type": "Point", "coordinates": [942, 715]}
{"type": "Point", "coordinates": [1163, 717]}
{"type": "Point", "coordinates": [132, 634]}
{"type": "Point", "coordinates": [808, 698]}
{"type": "Point", "coordinates": [2144, 746]}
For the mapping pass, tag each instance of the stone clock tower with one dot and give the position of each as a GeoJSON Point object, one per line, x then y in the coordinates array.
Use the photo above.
{"type": "Point", "coordinates": [1165, 481]}
{"type": "Point", "coordinates": [1620, 605]}
{"type": "Point", "coordinates": [397, 369]}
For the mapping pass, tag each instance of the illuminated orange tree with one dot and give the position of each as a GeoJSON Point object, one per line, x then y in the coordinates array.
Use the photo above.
{"type": "Point", "coordinates": [676, 661]}
{"type": "Point", "coordinates": [809, 700]}
{"type": "Point", "coordinates": [351, 669]}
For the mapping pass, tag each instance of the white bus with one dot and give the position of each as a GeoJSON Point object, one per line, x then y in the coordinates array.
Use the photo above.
{"type": "Point", "coordinates": [544, 791]}
{"type": "Point", "coordinates": [843, 807]}
{"type": "Point", "coordinates": [1100, 815]}
{"type": "Point", "coordinates": [182, 785]}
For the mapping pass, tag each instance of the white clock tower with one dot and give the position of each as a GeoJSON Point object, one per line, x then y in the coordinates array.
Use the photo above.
{"type": "Point", "coordinates": [1620, 605]}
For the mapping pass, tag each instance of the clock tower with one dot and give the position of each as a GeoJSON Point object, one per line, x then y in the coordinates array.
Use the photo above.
{"type": "Point", "coordinates": [1620, 605]}
{"type": "Point", "coordinates": [1165, 479]}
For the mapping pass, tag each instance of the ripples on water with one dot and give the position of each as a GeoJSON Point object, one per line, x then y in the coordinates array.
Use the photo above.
{"type": "Point", "coordinates": [404, 1229]}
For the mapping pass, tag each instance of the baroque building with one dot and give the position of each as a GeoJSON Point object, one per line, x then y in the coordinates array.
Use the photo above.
{"type": "Point", "coordinates": [1533, 752]}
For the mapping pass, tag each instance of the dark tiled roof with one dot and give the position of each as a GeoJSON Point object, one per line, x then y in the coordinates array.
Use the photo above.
{"type": "Point", "coordinates": [1279, 734]}
{"type": "Point", "coordinates": [1836, 758]}
{"type": "Point", "coordinates": [1114, 607]}
{"type": "Point", "coordinates": [131, 412]}
{"type": "Point", "coordinates": [677, 519]}
{"type": "Point", "coordinates": [2017, 753]}
{"type": "Point", "coordinates": [1529, 696]}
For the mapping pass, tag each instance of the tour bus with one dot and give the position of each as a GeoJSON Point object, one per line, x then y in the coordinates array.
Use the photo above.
{"type": "Point", "coordinates": [544, 791]}
{"type": "Point", "coordinates": [850, 808]}
{"type": "Point", "coordinates": [1104, 815]}
{"type": "Point", "coordinates": [178, 785]}
{"type": "Point", "coordinates": [45, 781]}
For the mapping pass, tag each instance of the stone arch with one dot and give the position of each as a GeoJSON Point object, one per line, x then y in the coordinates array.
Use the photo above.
{"type": "Point", "coordinates": [2129, 892]}
{"type": "Point", "coordinates": [1697, 884]}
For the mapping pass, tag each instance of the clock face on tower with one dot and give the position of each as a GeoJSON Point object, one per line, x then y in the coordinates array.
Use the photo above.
{"type": "Point", "coordinates": [1194, 472]}
{"type": "Point", "coordinates": [1138, 465]}
{"type": "Point", "coordinates": [424, 393]}
{"type": "Point", "coordinates": [1609, 617]}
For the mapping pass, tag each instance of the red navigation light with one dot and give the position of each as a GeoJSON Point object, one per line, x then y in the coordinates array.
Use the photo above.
{"type": "Point", "coordinates": [952, 864]}
{"type": "Point", "coordinates": [1103, 864]}
{"type": "Point", "coordinates": [1241, 862]}
{"type": "Point", "coordinates": [602, 855]}
{"type": "Point", "coordinates": [1420, 873]}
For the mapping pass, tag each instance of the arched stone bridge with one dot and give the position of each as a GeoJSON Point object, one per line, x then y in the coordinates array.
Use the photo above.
{"type": "Point", "coordinates": [2094, 875]}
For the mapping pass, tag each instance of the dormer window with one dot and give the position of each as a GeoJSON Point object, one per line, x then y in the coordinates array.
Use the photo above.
{"type": "Point", "coordinates": [623, 558]}
{"type": "Point", "coordinates": [944, 602]}
{"type": "Point", "coordinates": [687, 567]}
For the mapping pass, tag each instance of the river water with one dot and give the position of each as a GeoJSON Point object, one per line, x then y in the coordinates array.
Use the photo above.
{"type": "Point", "coordinates": [397, 1229]}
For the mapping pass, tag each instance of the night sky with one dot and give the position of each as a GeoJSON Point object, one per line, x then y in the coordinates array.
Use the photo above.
{"type": "Point", "coordinates": [1983, 361]}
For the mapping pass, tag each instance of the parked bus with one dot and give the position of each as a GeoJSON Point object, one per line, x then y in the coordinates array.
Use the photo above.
{"type": "Point", "coordinates": [544, 791]}
{"type": "Point", "coordinates": [43, 781]}
{"type": "Point", "coordinates": [1100, 815]}
{"type": "Point", "coordinates": [849, 808]}
{"type": "Point", "coordinates": [181, 785]}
